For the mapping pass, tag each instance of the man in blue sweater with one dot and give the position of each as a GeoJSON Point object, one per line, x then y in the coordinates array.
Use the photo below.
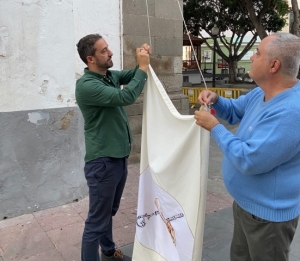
{"type": "Point", "coordinates": [261, 163]}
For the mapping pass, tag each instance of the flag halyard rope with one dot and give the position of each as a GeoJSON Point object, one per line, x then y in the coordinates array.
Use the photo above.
{"type": "Point", "coordinates": [148, 23]}
{"type": "Point", "coordinates": [193, 49]}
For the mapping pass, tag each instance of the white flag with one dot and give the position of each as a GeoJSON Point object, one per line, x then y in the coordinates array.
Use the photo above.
{"type": "Point", "coordinates": [173, 181]}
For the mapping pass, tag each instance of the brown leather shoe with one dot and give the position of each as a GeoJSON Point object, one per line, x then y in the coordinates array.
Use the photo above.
{"type": "Point", "coordinates": [117, 256]}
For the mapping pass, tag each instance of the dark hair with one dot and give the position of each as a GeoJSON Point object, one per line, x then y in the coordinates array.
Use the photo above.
{"type": "Point", "coordinates": [85, 46]}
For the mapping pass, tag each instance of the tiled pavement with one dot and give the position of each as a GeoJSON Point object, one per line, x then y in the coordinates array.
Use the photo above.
{"type": "Point", "coordinates": [55, 234]}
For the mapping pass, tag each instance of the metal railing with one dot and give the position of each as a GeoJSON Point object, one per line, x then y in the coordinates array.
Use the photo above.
{"type": "Point", "coordinates": [193, 93]}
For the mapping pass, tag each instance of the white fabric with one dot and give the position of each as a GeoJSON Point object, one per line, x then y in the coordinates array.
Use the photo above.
{"type": "Point", "coordinates": [174, 165]}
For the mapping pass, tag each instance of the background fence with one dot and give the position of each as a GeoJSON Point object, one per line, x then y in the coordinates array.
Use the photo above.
{"type": "Point", "coordinates": [193, 93]}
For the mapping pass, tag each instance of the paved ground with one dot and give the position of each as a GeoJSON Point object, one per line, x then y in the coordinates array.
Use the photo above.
{"type": "Point", "coordinates": [55, 234]}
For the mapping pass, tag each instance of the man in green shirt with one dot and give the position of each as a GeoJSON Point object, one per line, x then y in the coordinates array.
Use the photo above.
{"type": "Point", "coordinates": [107, 138]}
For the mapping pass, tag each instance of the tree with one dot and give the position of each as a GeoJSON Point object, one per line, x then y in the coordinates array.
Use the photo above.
{"type": "Point", "coordinates": [201, 15]}
{"type": "Point", "coordinates": [295, 29]}
{"type": "Point", "coordinates": [263, 13]}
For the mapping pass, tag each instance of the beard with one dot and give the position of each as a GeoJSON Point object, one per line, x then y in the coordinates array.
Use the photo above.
{"type": "Point", "coordinates": [104, 65]}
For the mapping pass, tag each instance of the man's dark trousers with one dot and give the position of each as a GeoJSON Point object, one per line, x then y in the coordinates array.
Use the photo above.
{"type": "Point", "coordinates": [106, 179]}
{"type": "Point", "coordinates": [256, 239]}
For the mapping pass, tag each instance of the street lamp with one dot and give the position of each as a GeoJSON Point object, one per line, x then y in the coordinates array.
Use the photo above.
{"type": "Point", "coordinates": [214, 32]}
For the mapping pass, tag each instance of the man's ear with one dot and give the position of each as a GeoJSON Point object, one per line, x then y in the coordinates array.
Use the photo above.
{"type": "Point", "coordinates": [90, 59]}
{"type": "Point", "coordinates": [275, 65]}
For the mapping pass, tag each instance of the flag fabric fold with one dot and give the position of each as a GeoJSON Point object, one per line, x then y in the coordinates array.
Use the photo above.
{"type": "Point", "coordinates": [173, 181]}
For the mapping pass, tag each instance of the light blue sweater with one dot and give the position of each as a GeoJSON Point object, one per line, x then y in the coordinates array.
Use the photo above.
{"type": "Point", "coordinates": [261, 163]}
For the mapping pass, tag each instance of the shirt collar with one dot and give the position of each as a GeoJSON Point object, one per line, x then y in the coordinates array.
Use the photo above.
{"type": "Point", "coordinates": [98, 75]}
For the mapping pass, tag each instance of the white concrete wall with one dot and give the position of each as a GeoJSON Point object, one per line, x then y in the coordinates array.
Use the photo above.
{"type": "Point", "coordinates": [38, 56]}
{"type": "Point", "coordinates": [42, 143]}
{"type": "Point", "coordinates": [102, 17]}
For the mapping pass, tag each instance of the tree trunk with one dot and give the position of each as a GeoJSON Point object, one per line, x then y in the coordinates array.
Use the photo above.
{"type": "Point", "coordinates": [232, 65]}
{"type": "Point", "coordinates": [296, 24]}
{"type": "Point", "coordinates": [256, 21]}
{"type": "Point", "coordinates": [260, 29]}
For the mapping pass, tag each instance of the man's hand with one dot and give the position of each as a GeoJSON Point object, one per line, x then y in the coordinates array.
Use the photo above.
{"type": "Point", "coordinates": [142, 56]}
{"type": "Point", "coordinates": [207, 97]}
{"type": "Point", "coordinates": [147, 48]}
{"type": "Point", "coordinates": [205, 119]}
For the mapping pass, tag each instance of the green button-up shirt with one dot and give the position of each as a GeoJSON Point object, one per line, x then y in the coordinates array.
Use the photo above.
{"type": "Point", "coordinates": [101, 101]}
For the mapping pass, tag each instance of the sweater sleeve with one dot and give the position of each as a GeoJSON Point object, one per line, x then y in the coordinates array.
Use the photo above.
{"type": "Point", "coordinates": [94, 92]}
{"type": "Point", "coordinates": [271, 141]}
{"type": "Point", "coordinates": [233, 110]}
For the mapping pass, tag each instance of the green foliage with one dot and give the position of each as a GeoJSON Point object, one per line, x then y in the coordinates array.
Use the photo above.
{"type": "Point", "coordinates": [276, 15]}
{"type": "Point", "coordinates": [232, 15]}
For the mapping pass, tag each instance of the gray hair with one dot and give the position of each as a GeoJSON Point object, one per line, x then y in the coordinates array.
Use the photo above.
{"type": "Point", "coordinates": [286, 48]}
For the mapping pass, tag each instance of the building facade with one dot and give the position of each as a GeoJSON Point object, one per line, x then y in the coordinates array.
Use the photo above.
{"type": "Point", "coordinates": [42, 141]}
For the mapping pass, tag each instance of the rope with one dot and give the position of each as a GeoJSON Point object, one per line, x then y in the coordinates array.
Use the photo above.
{"type": "Point", "coordinates": [148, 23]}
{"type": "Point", "coordinates": [188, 33]}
